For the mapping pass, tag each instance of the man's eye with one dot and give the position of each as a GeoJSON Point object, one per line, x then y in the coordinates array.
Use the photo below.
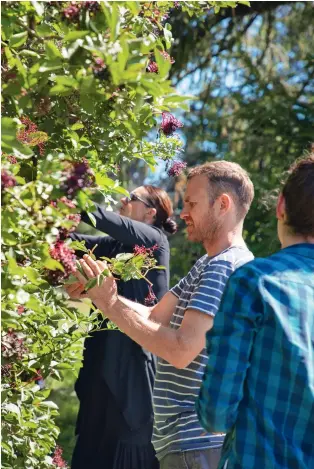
{"type": "Point", "coordinates": [192, 204]}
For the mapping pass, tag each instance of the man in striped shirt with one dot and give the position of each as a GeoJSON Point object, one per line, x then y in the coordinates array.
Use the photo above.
{"type": "Point", "coordinates": [259, 379]}
{"type": "Point", "coordinates": [217, 198]}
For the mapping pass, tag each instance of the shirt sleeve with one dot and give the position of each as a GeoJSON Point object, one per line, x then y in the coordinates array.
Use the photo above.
{"type": "Point", "coordinates": [123, 229]}
{"type": "Point", "coordinates": [179, 287]}
{"type": "Point", "coordinates": [210, 287]}
{"type": "Point", "coordinates": [229, 345]}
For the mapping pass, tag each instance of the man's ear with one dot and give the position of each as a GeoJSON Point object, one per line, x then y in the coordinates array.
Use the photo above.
{"type": "Point", "coordinates": [224, 203]}
{"type": "Point", "coordinates": [281, 208]}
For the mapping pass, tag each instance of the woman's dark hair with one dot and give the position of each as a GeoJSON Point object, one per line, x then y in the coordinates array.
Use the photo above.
{"type": "Point", "coordinates": [160, 200]}
{"type": "Point", "coordinates": [298, 192]}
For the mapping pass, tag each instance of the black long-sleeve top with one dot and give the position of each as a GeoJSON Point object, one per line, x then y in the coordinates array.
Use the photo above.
{"type": "Point", "coordinates": [125, 366]}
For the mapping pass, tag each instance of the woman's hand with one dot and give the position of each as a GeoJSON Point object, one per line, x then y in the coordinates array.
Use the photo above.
{"type": "Point", "coordinates": [104, 293]}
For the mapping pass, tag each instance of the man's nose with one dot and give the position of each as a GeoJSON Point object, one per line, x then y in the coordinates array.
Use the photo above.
{"type": "Point", "coordinates": [124, 200]}
{"type": "Point", "coordinates": [184, 214]}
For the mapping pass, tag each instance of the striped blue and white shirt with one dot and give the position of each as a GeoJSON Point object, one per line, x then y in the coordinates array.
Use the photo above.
{"type": "Point", "coordinates": [176, 426]}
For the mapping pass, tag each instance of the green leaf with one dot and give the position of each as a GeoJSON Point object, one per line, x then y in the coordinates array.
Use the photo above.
{"type": "Point", "coordinates": [52, 264]}
{"type": "Point", "coordinates": [17, 40]}
{"type": "Point", "coordinates": [9, 239]}
{"type": "Point", "coordinates": [49, 404]}
{"type": "Point", "coordinates": [38, 7]}
{"type": "Point", "coordinates": [168, 36]}
{"type": "Point", "coordinates": [8, 137]}
{"type": "Point", "coordinates": [92, 219]}
{"type": "Point", "coordinates": [63, 366]}
{"type": "Point", "coordinates": [123, 55]}
{"type": "Point", "coordinates": [52, 51]}
{"type": "Point", "coordinates": [79, 246]}
{"type": "Point", "coordinates": [77, 126]}
{"type": "Point", "coordinates": [91, 283]}
{"type": "Point", "coordinates": [164, 65]}
{"type": "Point", "coordinates": [124, 256]}
{"type": "Point", "coordinates": [50, 66]}
{"type": "Point", "coordinates": [8, 129]}
{"type": "Point", "coordinates": [12, 408]}
{"type": "Point", "coordinates": [74, 35]}
{"type": "Point", "coordinates": [29, 53]}
{"type": "Point", "coordinates": [44, 30]}
{"type": "Point", "coordinates": [87, 103]}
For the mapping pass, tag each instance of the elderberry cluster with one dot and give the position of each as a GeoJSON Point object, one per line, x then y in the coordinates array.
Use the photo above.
{"type": "Point", "coordinates": [75, 218]}
{"type": "Point", "coordinates": [72, 11]}
{"type": "Point", "coordinates": [28, 135]}
{"type": "Point", "coordinates": [176, 168]}
{"type": "Point", "coordinates": [142, 250]}
{"type": "Point", "coordinates": [12, 346]}
{"type": "Point", "coordinates": [100, 69]}
{"type": "Point", "coordinates": [6, 370]}
{"type": "Point", "coordinates": [57, 459]}
{"type": "Point", "coordinates": [7, 180]}
{"type": "Point", "coordinates": [169, 124]}
{"type": "Point", "coordinates": [79, 177]}
{"type": "Point", "coordinates": [152, 67]}
{"type": "Point", "coordinates": [62, 253]}
{"type": "Point", "coordinates": [150, 299]}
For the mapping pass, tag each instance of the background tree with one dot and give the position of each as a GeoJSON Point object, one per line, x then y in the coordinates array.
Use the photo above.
{"type": "Point", "coordinates": [252, 71]}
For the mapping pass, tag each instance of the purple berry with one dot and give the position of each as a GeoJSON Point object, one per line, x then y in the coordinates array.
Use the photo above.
{"type": "Point", "coordinates": [176, 168]}
{"type": "Point", "coordinates": [169, 124]}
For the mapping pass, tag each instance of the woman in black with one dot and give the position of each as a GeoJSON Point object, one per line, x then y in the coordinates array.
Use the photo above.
{"type": "Point", "coordinates": [115, 383]}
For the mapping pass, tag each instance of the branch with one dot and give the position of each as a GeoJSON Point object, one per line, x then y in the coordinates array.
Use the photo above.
{"type": "Point", "coordinates": [243, 10]}
{"type": "Point", "coordinates": [270, 20]}
{"type": "Point", "coordinates": [223, 46]}
{"type": "Point", "coordinates": [31, 32]}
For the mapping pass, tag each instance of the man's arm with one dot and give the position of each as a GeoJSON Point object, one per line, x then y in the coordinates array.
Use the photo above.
{"type": "Point", "coordinates": [179, 347]}
{"type": "Point", "coordinates": [229, 346]}
{"type": "Point", "coordinates": [161, 313]}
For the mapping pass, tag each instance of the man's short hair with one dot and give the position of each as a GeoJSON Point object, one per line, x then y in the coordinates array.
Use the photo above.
{"type": "Point", "coordinates": [298, 192]}
{"type": "Point", "coordinates": [230, 178]}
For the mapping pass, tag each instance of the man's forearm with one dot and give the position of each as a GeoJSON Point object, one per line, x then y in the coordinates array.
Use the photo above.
{"type": "Point", "coordinates": [160, 340]}
{"type": "Point", "coordinates": [140, 309]}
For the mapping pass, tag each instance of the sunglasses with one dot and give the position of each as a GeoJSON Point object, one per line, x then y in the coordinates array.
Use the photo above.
{"type": "Point", "coordinates": [135, 198]}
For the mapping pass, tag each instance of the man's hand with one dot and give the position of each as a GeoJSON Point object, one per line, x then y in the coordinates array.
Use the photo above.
{"type": "Point", "coordinates": [75, 291]}
{"type": "Point", "coordinates": [105, 292]}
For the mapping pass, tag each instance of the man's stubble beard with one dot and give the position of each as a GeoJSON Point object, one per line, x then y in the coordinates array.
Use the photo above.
{"type": "Point", "coordinates": [209, 233]}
